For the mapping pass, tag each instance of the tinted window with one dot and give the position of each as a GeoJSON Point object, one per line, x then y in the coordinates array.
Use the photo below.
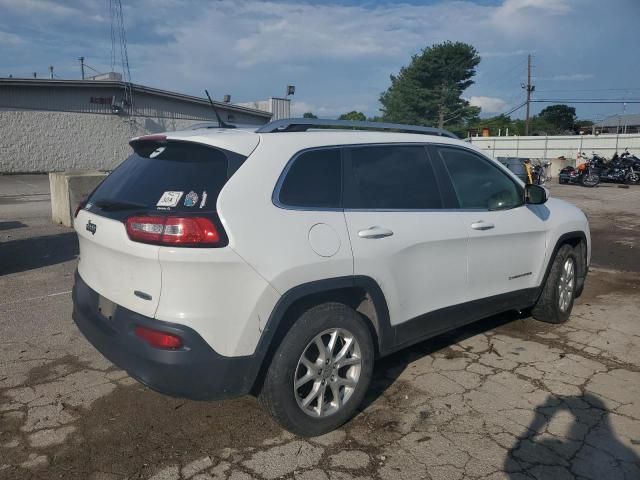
{"type": "Point", "coordinates": [314, 180]}
{"type": "Point", "coordinates": [177, 176]}
{"type": "Point", "coordinates": [478, 183]}
{"type": "Point", "coordinates": [398, 177]}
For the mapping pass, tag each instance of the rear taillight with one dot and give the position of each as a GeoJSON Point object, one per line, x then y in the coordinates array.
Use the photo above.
{"type": "Point", "coordinates": [173, 230]}
{"type": "Point", "coordinates": [158, 339]}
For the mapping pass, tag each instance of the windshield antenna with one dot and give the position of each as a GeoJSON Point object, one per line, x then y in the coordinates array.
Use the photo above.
{"type": "Point", "coordinates": [221, 122]}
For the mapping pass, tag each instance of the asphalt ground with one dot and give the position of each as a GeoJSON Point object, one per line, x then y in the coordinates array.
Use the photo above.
{"type": "Point", "coordinates": [505, 398]}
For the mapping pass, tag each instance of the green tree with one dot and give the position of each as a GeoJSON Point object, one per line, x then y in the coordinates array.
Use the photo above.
{"type": "Point", "coordinates": [429, 90]}
{"type": "Point", "coordinates": [353, 115]}
{"type": "Point", "coordinates": [560, 118]}
{"type": "Point", "coordinates": [308, 115]}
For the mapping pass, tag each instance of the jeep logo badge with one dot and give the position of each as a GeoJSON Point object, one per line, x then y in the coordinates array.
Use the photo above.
{"type": "Point", "coordinates": [91, 227]}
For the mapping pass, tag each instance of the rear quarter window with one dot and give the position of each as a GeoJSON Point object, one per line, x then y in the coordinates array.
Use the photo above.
{"type": "Point", "coordinates": [313, 180]}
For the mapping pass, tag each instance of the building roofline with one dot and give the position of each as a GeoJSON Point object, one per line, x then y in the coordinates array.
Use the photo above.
{"type": "Point", "coordinates": [45, 82]}
{"type": "Point", "coordinates": [619, 120]}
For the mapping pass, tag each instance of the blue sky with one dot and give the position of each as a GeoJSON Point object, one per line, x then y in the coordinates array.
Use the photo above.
{"type": "Point", "coordinates": [339, 54]}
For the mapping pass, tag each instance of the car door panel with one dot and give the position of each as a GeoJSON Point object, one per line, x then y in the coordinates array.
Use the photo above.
{"type": "Point", "coordinates": [506, 237]}
{"type": "Point", "coordinates": [417, 255]}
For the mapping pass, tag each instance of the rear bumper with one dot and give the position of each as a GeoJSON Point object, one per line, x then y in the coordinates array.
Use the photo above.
{"type": "Point", "coordinates": [195, 371]}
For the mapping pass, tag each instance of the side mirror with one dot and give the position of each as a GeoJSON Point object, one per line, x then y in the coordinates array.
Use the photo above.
{"type": "Point", "coordinates": [535, 194]}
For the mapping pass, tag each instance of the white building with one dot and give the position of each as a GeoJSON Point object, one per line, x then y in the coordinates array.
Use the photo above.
{"type": "Point", "coordinates": [55, 125]}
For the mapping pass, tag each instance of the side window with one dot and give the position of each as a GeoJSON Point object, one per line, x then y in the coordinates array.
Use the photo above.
{"type": "Point", "coordinates": [477, 183]}
{"type": "Point", "coordinates": [314, 180]}
{"type": "Point", "coordinates": [394, 177]}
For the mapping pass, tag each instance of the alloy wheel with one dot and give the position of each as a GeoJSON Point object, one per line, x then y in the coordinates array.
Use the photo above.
{"type": "Point", "coordinates": [327, 372]}
{"type": "Point", "coordinates": [566, 284]}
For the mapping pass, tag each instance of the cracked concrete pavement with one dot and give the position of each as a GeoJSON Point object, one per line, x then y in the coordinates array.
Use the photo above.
{"type": "Point", "coordinates": [505, 398]}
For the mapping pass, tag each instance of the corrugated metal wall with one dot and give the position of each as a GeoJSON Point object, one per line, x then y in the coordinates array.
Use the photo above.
{"type": "Point", "coordinates": [280, 108]}
{"type": "Point", "coordinates": [78, 99]}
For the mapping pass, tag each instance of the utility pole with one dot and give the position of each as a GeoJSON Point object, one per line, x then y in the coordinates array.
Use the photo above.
{"type": "Point", "coordinates": [51, 71]}
{"type": "Point", "coordinates": [529, 88]}
{"type": "Point", "coordinates": [81, 66]}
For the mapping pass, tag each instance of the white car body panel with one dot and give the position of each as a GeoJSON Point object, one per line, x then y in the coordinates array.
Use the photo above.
{"type": "Point", "coordinates": [116, 267]}
{"type": "Point", "coordinates": [504, 258]}
{"type": "Point", "coordinates": [421, 267]}
{"type": "Point", "coordinates": [215, 292]}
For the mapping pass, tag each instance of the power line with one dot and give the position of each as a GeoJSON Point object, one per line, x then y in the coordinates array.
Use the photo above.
{"type": "Point", "coordinates": [585, 101]}
{"type": "Point", "coordinates": [591, 90]}
{"type": "Point", "coordinates": [514, 109]}
{"type": "Point", "coordinates": [91, 68]}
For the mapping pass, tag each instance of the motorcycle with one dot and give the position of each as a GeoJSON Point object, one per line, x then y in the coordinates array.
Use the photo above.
{"type": "Point", "coordinates": [586, 174]}
{"type": "Point", "coordinates": [620, 169]}
{"type": "Point", "coordinates": [540, 174]}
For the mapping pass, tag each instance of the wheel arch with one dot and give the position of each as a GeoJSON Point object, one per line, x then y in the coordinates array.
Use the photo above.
{"type": "Point", "coordinates": [361, 293]}
{"type": "Point", "coordinates": [578, 240]}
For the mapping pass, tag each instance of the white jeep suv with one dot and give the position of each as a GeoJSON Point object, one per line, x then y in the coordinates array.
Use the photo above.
{"type": "Point", "coordinates": [282, 262]}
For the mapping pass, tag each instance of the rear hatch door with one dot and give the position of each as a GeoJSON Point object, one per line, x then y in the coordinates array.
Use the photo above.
{"type": "Point", "coordinates": [124, 272]}
{"type": "Point", "coordinates": [161, 178]}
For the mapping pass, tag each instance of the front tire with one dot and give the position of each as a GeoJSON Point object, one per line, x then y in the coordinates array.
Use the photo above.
{"type": "Point", "coordinates": [320, 372]}
{"type": "Point", "coordinates": [559, 291]}
{"type": "Point", "coordinates": [632, 179]}
{"type": "Point", "coordinates": [590, 180]}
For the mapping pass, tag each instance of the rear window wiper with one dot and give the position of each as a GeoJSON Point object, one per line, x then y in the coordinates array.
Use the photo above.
{"type": "Point", "coordinates": [106, 204]}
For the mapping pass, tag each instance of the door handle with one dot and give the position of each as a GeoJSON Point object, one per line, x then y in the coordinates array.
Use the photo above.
{"type": "Point", "coordinates": [480, 225]}
{"type": "Point", "coordinates": [375, 232]}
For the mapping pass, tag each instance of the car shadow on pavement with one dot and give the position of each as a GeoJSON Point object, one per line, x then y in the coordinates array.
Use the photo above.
{"type": "Point", "coordinates": [388, 369]}
{"type": "Point", "coordinates": [35, 252]}
{"type": "Point", "coordinates": [11, 225]}
{"type": "Point", "coordinates": [587, 447]}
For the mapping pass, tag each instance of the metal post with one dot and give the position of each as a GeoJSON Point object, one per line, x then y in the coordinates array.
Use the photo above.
{"type": "Point", "coordinates": [82, 66]}
{"type": "Point", "coordinates": [580, 149]}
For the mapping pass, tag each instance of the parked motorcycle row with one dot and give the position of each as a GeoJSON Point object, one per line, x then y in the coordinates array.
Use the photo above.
{"type": "Point", "coordinates": [624, 168]}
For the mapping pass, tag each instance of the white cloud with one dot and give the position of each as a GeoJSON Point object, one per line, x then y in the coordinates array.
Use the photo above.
{"type": "Point", "coordinates": [322, 111]}
{"type": "Point", "coordinates": [512, 53]}
{"type": "Point", "coordinates": [339, 56]}
{"type": "Point", "coordinates": [572, 77]}
{"type": "Point", "coordinates": [526, 17]}
{"type": "Point", "coordinates": [47, 8]}
{"type": "Point", "coordinates": [488, 104]}
{"type": "Point", "coordinates": [10, 39]}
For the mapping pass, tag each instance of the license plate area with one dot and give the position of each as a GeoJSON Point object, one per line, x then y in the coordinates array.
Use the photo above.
{"type": "Point", "coordinates": [106, 307]}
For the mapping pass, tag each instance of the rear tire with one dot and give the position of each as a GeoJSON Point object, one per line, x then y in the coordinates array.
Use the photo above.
{"type": "Point", "coordinates": [559, 291]}
{"type": "Point", "coordinates": [340, 384]}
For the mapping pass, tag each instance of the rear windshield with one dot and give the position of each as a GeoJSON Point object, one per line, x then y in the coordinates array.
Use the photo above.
{"type": "Point", "coordinates": [176, 176]}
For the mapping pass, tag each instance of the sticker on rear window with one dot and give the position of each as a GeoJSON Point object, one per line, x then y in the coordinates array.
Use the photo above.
{"type": "Point", "coordinates": [169, 199]}
{"type": "Point", "coordinates": [204, 199]}
{"type": "Point", "coordinates": [191, 199]}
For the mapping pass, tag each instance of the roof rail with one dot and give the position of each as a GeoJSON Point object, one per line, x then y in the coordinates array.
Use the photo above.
{"type": "Point", "coordinates": [304, 124]}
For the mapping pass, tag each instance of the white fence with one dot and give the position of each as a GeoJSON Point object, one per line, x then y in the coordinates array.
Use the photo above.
{"type": "Point", "coordinates": [561, 146]}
